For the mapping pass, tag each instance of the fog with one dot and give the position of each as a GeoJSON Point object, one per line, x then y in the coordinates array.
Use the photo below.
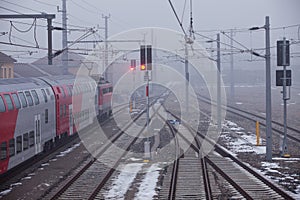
{"type": "Point", "coordinates": [209, 17]}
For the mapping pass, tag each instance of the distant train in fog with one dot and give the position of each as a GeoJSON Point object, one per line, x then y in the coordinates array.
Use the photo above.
{"type": "Point", "coordinates": [37, 113]}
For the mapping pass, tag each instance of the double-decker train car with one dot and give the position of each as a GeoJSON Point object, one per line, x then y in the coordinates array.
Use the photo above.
{"type": "Point", "coordinates": [27, 120]}
{"type": "Point", "coordinates": [36, 113]}
{"type": "Point", "coordinates": [105, 90]}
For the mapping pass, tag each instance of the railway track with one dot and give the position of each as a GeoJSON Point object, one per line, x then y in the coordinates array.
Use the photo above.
{"type": "Point", "coordinates": [247, 182]}
{"type": "Point", "coordinates": [277, 127]}
{"type": "Point", "coordinates": [89, 180]}
{"type": "Point", "coordinates": [188, 175]}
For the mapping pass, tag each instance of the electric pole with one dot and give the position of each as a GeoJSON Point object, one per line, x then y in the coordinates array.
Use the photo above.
{"type": "Point", "coordinates": [106, 48]}
{"type": "Point", "coordinates": [219, 85]}
{"type": "Point", "coordinates": [268, 93]}
{"type": "Point", "coordinates": [64, 57]}
{"type": "Point", "coordinates": [232, 95]}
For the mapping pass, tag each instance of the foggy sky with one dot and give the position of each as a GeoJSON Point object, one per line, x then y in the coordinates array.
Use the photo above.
{"type": "Point", "coordinates": [128, 14]}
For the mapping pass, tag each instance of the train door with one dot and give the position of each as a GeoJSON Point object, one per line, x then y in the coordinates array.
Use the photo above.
{"type": "Point", "coordinates": [71, 123]}
{"type": "Point", "coordinates": [38, 139]}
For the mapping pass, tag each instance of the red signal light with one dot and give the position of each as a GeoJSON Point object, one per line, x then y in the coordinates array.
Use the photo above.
{"type": "Point", "coordinates": [131, 68]}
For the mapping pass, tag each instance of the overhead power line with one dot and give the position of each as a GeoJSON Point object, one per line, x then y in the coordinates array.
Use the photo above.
{"type": "Point", "coordinates": [54, 22]}
{"type": "Point", "coordinates": [174, 11]}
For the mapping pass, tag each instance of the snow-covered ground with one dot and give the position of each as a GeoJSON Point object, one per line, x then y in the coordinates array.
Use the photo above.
{"type": "Point", "coordinates": [122, 183]}
{"type": "Point", "coordinates": [146, 187]}
{"type": "Point", "coordinates": [243, 142]}
{"type": "Point", "coordinates": [238, 141]}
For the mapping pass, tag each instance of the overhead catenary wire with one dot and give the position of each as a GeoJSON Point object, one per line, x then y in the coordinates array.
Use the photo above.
{"type": "Point", "coordinates": [24, 31]}
{"type": "Point", "coordinates": [48, 4]}
{"type": "Point", "coordinates": [54, 22]}
{"type": "Point", "coordinates": [183, 11]}
{"type": "Point", "coordinates": [85, 35]}
{"type": "Point", "coordinates": [174, 11]}
{"type": "Point", "coordinates": [211, 39]}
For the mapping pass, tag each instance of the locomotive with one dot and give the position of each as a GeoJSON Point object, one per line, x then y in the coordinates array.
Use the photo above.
{"type": "Point", "coordinates": [37, 113]}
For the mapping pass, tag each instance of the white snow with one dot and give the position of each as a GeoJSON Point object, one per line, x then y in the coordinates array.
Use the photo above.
{"type": "Point", "coordinates": [5, 192]}
{"type": "Point", "coordinates": [63, 153]}
{"type": "Point", "coordinates": [122, 183]}
{"type": "Point", "coordinates": [246, 142]}
{"type": "Point", "coordinates": [26, 178]}
{"type": "Point", "coordinates": [15, 184]}
{"type": "Point", "coordinates": [45, 164]}
{"type": "Point", "coordinates": [286, 159]}
{"type": "Point", "coordinates": [135, 159]}
{"type": "Point", "coordinates": [148, 185]}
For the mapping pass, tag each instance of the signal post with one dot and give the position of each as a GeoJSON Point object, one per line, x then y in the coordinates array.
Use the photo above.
{"type": "Point", "coordinates": [283, 78]}
{"type": "Point", "coordinates": [146, 65]}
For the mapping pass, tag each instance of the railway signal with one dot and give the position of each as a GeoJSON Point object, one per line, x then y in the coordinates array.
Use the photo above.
{"type": "Point", "coordinates": [146, 57]}
{"type": "Point", "coordinates": [149, 57]}
{"type": "Point", "coordinates": [132, 65]}
{"type": "Point", "coordinates": [143, 57]}
{"type": "Point", "coordinates": [283, 78]}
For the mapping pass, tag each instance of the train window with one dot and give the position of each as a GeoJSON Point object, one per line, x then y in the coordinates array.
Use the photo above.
{"type": "Point", "coordinates": [35, 97]}
{"type": "Point", "coordinates": [74, 90]}
{"type": "Point", "coordinates": [29, 98]}
{"type": "Point", "coordinates": [25, 141]}
{"type": "Point", "coordinates": [9, 103]}
{"type": "Point", "coordinates": [67, 91]}
{"type": "Point", "coordinates": [11, 147]}
{"type": "Point", "coordinates": [45, 96]}
{"type": "Point", "coordinates": [63, 92]}
{"type": "Point", "coordinates": [61, 110]}
{"type": "Point", "coordinates": [31, 139]}
{"type": "Point", "coordinates": [70, 90]}
{"type": "Point", "coordinates": [58, 89]}
{"type": "Point", "coordinates": [2, 105]}
{"type": "Point", "coordinates": [23, 99]}
{"type": "Point", "coordinates": [16, 101]}
{"type": "Point", "coordinates": [46, 116]}
{"type": "Point", "coordinates": [88, 87]}
{"type": "Point", "coordinates": [65, 109]}
{"type": "Point", "coordinates": [48, 91]}
{"type": "Point", "coordinates": [19, 144]}
{"type": "Point", "coordinates": [3, 150]}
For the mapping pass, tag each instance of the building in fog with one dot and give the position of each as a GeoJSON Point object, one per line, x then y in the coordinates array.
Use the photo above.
{"type": "Point", "coordinates": [6, 66]}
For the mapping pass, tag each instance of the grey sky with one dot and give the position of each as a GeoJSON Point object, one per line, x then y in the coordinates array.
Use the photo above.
{"type": "Point", "coordinates": [128, 14]}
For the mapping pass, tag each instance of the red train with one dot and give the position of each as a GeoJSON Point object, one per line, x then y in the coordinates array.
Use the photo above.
{"type": "Point", "coordinates": [35, 113]}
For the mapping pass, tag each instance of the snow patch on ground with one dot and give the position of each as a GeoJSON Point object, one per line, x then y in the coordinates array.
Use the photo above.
{"type": "Point", "coordinates": [26, 178]}
{"type": "Point", "coordinates": [246, 142]}
{"type": "Point", "coordinates": [15, 184]}
{"type": "Point", "coordinates": [122, 183]}
{"type": "Point", "coordinates": [134, 159]}
{"type": "Point", "coordinates": [5, 192]}
{"type": "Point", "coordinates": [45, 164]}
{"type": "Point", "coordinates": [63, 153]}
{"type": "Point", "coordinates": [148, 185]}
